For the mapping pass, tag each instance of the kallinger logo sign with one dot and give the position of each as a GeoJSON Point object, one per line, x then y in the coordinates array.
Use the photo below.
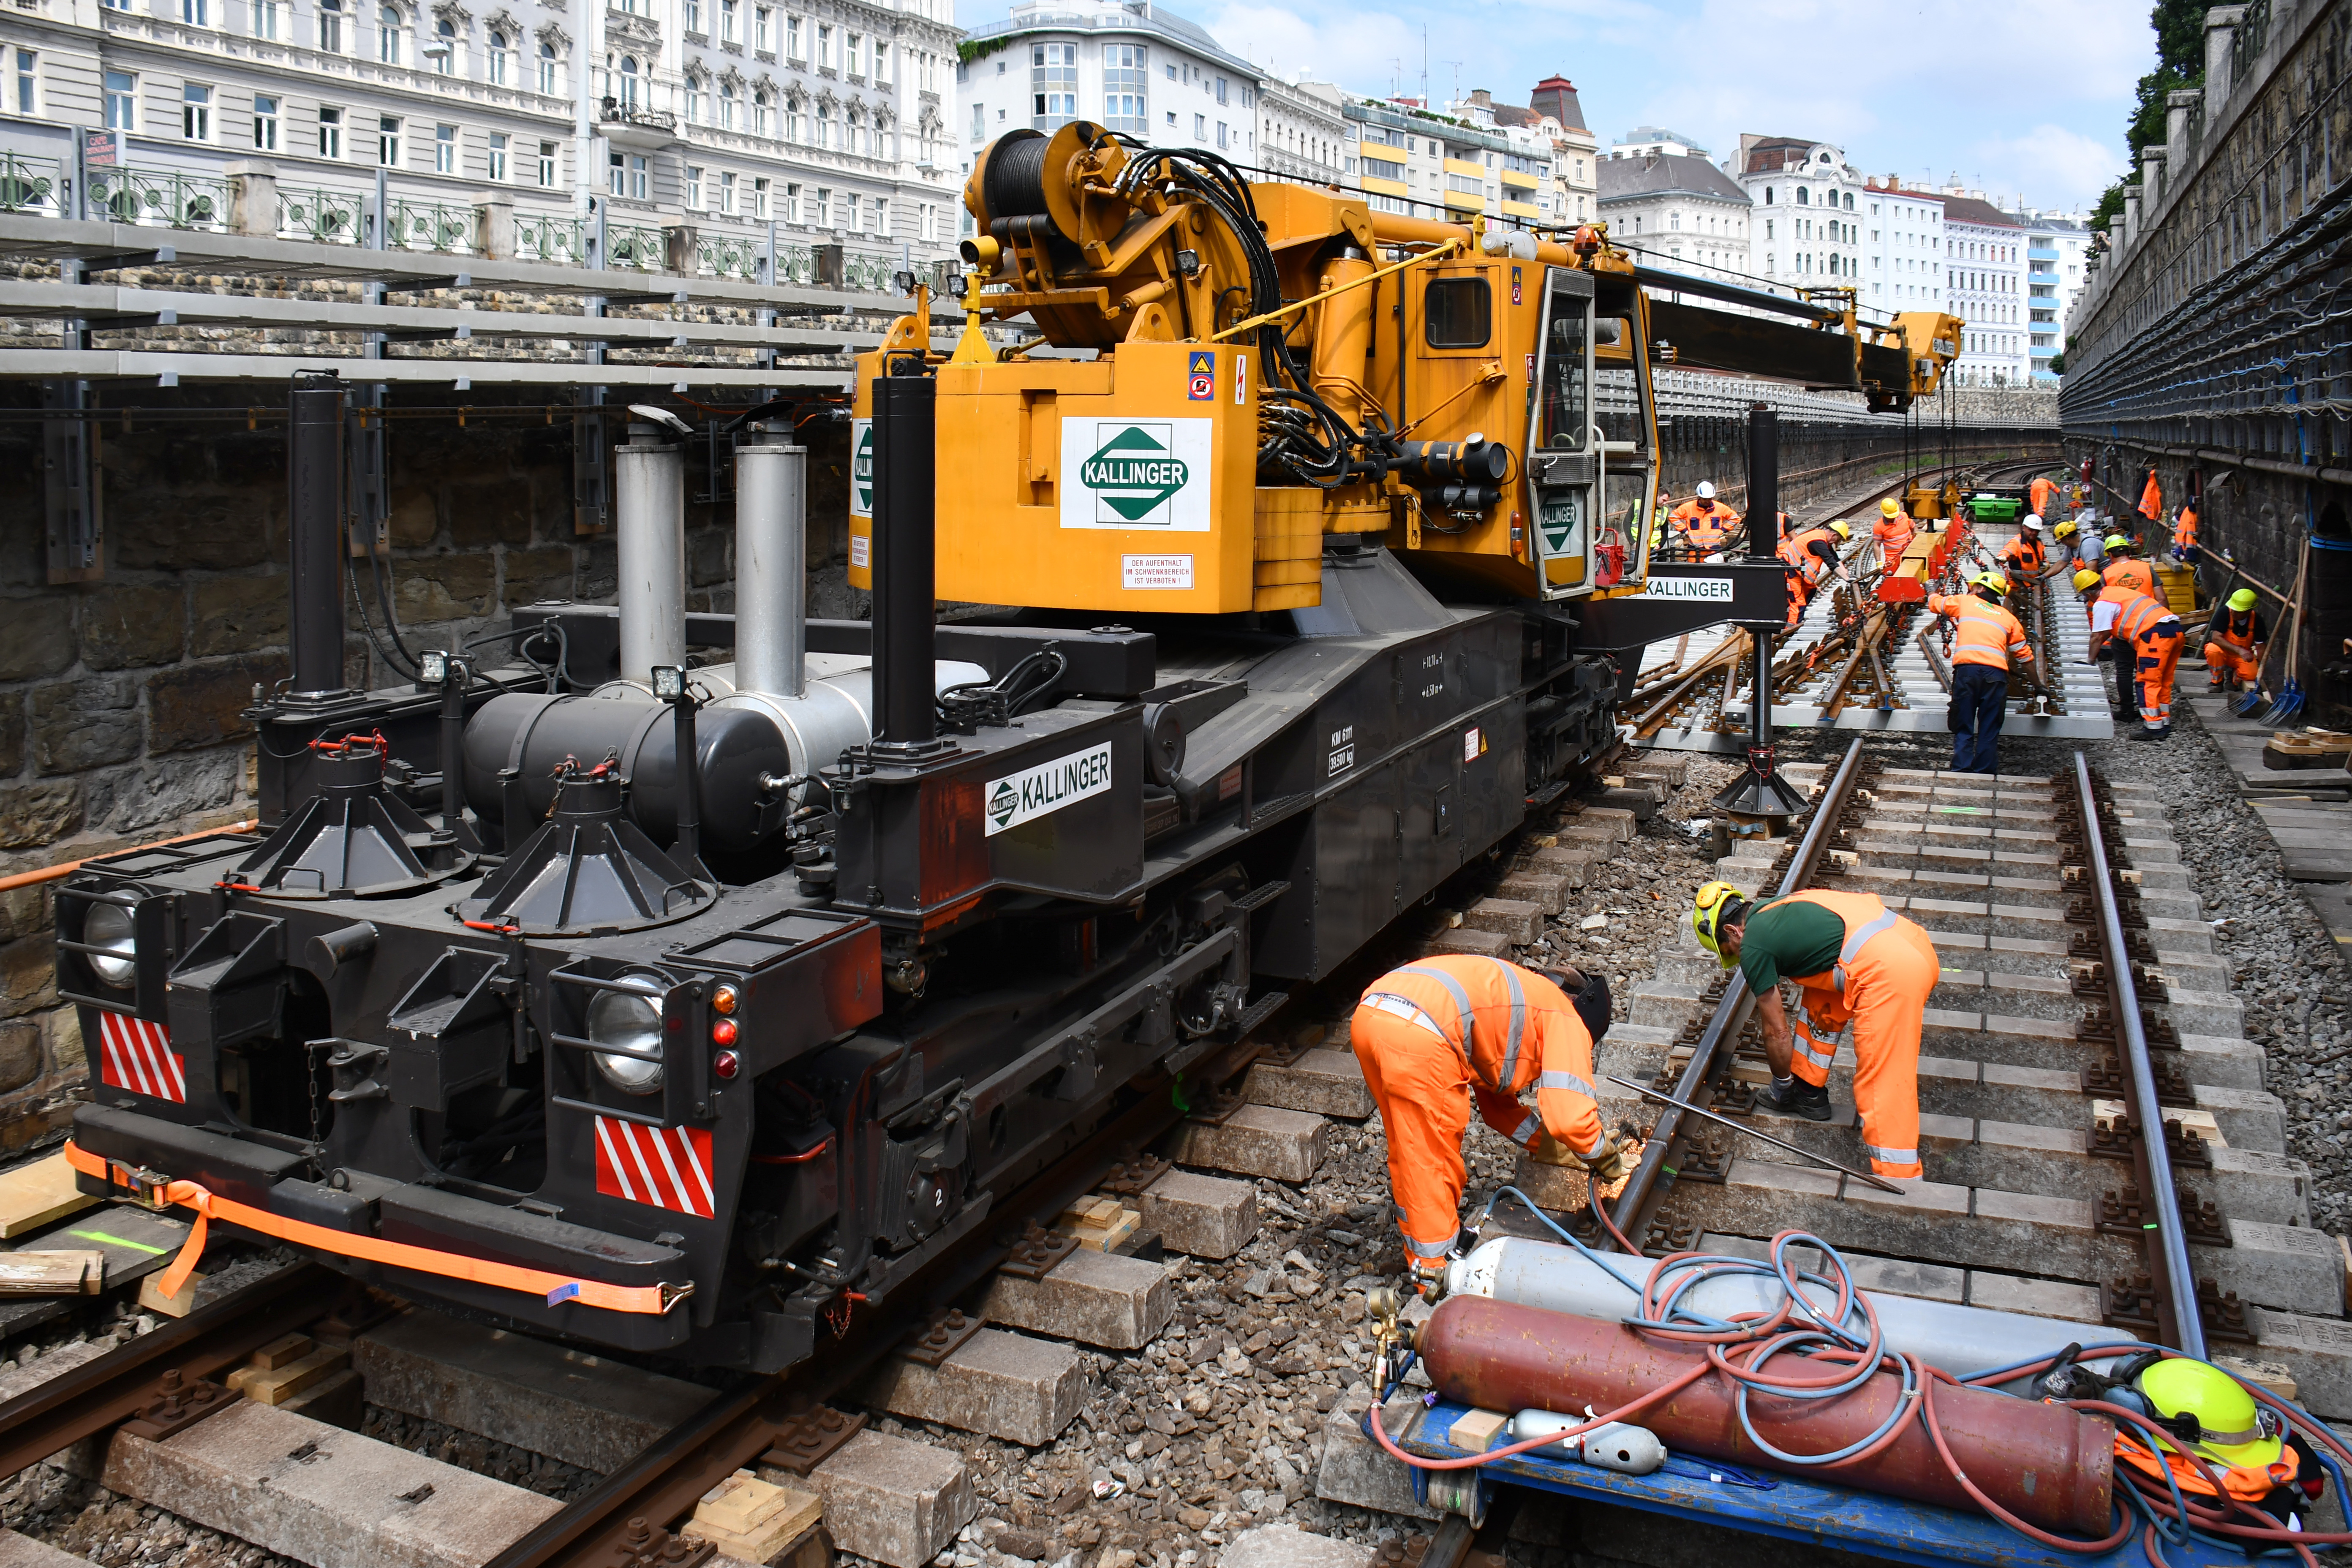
{"type": "Point", "coordinates": [1136, 474]}
{"type": "Point", "coordinates": [1046, 788]}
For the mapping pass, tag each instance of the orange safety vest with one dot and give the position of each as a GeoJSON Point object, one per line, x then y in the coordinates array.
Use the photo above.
{"type": "Point", "coordinates": [2042, 492]}
{"type": "Point", "coordinates": [2232, 629]}
{"type": "Point", "coordinates": [2135, 574]}
{"type": "Point", "coordinates": [2141, 615]}
{"type": "Point", "coordinates": [2184, 529]}
{"type": "Point", "coordinates": [1897, 530]}
{"type": "Point", "coordinates": [2113, 593]}
{"type": "Point", "coordinates": [1986, 633]}
{"type": "Point", "coordinates": [2026, 554]}
{"type": "Point", "coordinates": [1704, 528]}
{"type": "Point", "coordinates": [2247, 1483]}
{"type": "Point", "coordinates": [2152, 499]}
{"type": "Point", "coordinates": [1794, 550]}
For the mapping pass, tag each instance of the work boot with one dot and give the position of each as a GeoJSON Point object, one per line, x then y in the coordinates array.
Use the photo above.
{"type": "Point", "coordinates": [1800, 1099]}
{"type": "Point", "coordinates": [2144, 733]}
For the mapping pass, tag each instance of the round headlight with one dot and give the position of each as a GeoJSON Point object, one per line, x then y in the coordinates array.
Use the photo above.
{"type": "Point", "coordinates": [632, 1020]}
{"type": "Point", "coordinates": [109, 926]}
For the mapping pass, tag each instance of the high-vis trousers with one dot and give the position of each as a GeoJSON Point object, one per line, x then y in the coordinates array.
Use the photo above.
{"type": "Point", "coordinates": [1420, 1082]}
{"type": "Point", "coordinates": [2224, 664]}
{"type": "Point", "coordinates": [2156, 655]}
{"type": "Point", "coordinates": [1885, 998]}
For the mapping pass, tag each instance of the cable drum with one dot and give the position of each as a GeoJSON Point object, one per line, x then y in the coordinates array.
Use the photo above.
{"type": "Point", "coordinates": [1013, 183]}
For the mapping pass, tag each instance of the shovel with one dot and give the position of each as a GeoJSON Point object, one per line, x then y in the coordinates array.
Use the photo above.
{"type": "Point", "coordinates": [2289, 705]}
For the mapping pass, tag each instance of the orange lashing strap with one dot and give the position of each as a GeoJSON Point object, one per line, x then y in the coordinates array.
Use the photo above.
{"type": "Point", "coordinates": [158, 1192]}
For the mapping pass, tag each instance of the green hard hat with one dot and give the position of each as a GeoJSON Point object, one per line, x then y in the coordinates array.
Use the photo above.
{"type": "Point", "coordinates": [2243, 599]}
{"type": "Point", "coordinates": [2115, 541]}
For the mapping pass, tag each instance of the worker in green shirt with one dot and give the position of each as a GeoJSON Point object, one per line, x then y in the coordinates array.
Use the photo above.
{"type": "Point", "coordinates": [1853, 960]}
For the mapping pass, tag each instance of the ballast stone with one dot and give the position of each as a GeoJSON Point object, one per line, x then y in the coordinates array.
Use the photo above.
{"type": "Point", "coordinates": [894, 1501]}
{"type": "Point", "coordinates": [1288, 1546]}
{"type": "Point", "coordinates": [567, 1404]}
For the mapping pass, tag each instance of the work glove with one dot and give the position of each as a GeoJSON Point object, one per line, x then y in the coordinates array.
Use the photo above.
{"type": "Point", "coordinates": [1607, 1163]}
{"type": "Point", "coordinates": [1551, 1151]}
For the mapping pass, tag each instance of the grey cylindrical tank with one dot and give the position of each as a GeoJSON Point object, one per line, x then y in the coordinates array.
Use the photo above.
{"type": "Point", "coordinates": [649, 504]}
{"type": "Point", "coordinates": [771, 566]}
{"type": "Point", "coordinates": [835, 710]}
{"type": "Point", "coordinates": [534, 734]}
{"type": "Point", "coordinates": [1960, 1339]}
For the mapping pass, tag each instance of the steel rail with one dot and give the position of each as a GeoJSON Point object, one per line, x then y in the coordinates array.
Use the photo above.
{"type": "Point", "coordinates": [111, 1388]}
{"type": "Point", "coordinates": [2169, 1270]}
{"type": "Point", "coordinates": [1638, 1203]}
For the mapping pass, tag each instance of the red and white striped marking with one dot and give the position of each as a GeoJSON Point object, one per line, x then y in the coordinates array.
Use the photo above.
{"type": "Point", "coordinates": [669, 1167]}
{"type": "Point", "coordinates": [136, 1055]}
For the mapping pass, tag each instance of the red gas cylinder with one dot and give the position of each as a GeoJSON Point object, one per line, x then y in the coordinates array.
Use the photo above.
{"type": "Point", "coordinates": [2047, 1464]}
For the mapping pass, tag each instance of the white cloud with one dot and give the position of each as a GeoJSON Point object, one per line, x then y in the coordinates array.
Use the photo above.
{"type": "Point", "coordinates": [2054, 166]}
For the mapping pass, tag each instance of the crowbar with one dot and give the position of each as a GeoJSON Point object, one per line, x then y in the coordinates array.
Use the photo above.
{"type": "Point", "coordinates": [1750, 1131]}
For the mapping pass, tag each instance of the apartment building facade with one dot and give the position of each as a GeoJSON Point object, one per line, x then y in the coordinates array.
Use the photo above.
{"type": "Point", "coordinates": [1675, 209]}
{"type": "Point", "coordinates": [1303, 134]}
{"type": "Point", "coordinates": [824, 118]}
{"type": "Point", "coordinates": [1984, 260]}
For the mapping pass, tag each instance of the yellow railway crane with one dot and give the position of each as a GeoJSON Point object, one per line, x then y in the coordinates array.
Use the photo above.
{"type": "Point", "coordinates": [1240, 369]}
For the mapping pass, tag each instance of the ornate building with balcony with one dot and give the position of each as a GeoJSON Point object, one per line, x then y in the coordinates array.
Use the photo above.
{"type": "Point", "coordinates": [702, 134]}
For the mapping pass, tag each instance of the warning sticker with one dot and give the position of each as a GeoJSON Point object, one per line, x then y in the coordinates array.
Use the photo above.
{"type": "Point", "coordinates": [1155, 571]}
{"type": "Point", "coordinates": [1473, 743]}
{"type": "Point", "coordinates": [861, 551]}
{"type": "Point", "coordinates": [1200, 378]}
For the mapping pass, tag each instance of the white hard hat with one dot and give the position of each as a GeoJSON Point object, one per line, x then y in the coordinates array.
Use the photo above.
{"type": "Point", "coordinates": [1706, 490]}
{"type": "Point", "coordinates": [2032, 521]}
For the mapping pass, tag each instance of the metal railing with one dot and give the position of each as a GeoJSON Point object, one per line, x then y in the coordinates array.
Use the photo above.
{"type": "Point", "coordinates": [727, 255]}
{"type": "Point", "coordinates": [558, 241]}
{"type": "Point", "coordinates": [323, 216]}
{"type": "Point", "coordinates": [159, 198]}
{"type": "Point", "coordinates": [635, 246]}
{"type": "Point", "coordinates": [29, 184]}
{"type": "Point", "coordinates": [431, 226]}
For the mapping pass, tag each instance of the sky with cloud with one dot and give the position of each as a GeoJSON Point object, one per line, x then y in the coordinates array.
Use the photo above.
{"type": "Point", "coordinates": [2015, 97]}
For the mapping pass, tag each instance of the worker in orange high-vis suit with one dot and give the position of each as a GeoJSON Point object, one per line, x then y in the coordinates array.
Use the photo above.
{"type": "Point", "coordinates": [2184, 532]}
{"type": "Point", "coordinates": [1986, 638]}
{"type": "Point", "coordinates": [2042, 494]}
{"type": "Point", "coordinates": [2105, 601]}
{"type": "Point", "coordinates": [1701, 524]}
{"type": "Point", "coordinates": [2025, 557]}
{"type": "Point", "coordinates": [1814, 552]}
{"type": "Point", "coordinates": [2147, 635]}
{"type": "Point", "coordinates": [1452, 1030]}
{"type": "Point", "coordinates": [2234, 639]}
{"type": "Point", "coordinates": [1854, 960]}
{"type": "Point", "coordinates": [1893, 531]}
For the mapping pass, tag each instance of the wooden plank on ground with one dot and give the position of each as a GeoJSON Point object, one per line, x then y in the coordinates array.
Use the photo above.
{"type": "Point", "coordinates": [34, 1194]}
{"type": "Point", "coordinates": [27, 1273]}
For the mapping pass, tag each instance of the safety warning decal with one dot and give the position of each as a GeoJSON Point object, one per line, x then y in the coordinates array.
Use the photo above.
{"type": "Point", "coordinates": [1155, 572]}
{"type": "Point", "coordinates": [1201, 379]}
{"type": "Point", "coordinates": [666, 1167]}
{"type": "Point", "coordinates": [1043, 790]}
{"type": "Point", "coordinates": [136, 1055]}
{"type": "Point", "coordinates": [1136, 474]}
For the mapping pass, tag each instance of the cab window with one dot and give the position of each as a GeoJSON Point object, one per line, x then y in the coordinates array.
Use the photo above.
{"type": "Point", "coordinates": [1459, 313]}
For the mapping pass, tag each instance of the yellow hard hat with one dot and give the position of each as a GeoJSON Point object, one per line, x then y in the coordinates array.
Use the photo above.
{"type": "Point", "coordinates": [1714, 901]}
{"type": "Point", "coordinates": [1993, 582]}
{"type": "Point", "coordinates": [1841, 530]}
{"type": "Point", "coordinates": [2086, 580]}
{"type": "Point", "coordinates": [2062, 530]}
{"type": "Point", "coordinates": [2229, 1426]}
{"type": "Point", "coordinates": [2243, 599]}
{"type": "Point", "coordinates": [1890, 507]}
{"type": "Point", "coordinates": [2115, 543]}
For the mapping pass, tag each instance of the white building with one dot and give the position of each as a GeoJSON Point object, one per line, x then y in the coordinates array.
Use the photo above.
{"type": "Point", "coordinates": [1137, 68]}
{"type": "Point", "coordinates": [1984, 261]}
{"type": "Point", "coordinates": [1651, 141]}
{"type": "Point", "coordinates": [1810, 208]}
{"type": "Point", "coordinates": [1904, 231]}
{"type": "Point", "coordinates": [1302, 135]}
{"type": "Point", "coordinates": [2054, 277]}
{"type": "Point", "coordinates": [1677, 210]}
{"type": "Point", "coordinates": [725, 117]}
